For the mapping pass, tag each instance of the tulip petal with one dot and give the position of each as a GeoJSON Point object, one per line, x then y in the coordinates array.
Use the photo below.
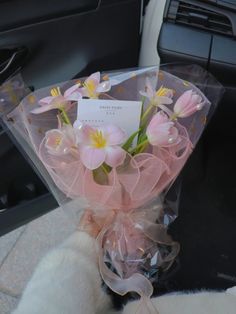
{"type": "Point", "coordinates": [52, 138]}
{"type": "Point", "coordinates": [183, 101]}
{"type": "Point", "coordinates": [95, 77]}
{"type": "Point", "coordinates": [42, 109]}
{"type": "Point", "coordinates": [149, 92]}
{"type": "Point", "coordinates": [115, 156]}
{"type": "Point", "coordinates": [196, 99]}
{"type": "Point", "coordinates": [149, 89]}
{"type": "Point", "coordinates": [188, 104]}
{"type": "Point", "coordinates": [174, 135]}
{"type": "Point", "coordinates": [58, 101]}
{"type": "Point", "coordinates": [71, 90]}
{"type": "Point", "coordinates": [85, 134]}
{"type": "Point", "coordinates": [114, 134]}
{"type": "Point", "coordinates": [103, 87]}
{"type": "Point", "coordinates": [83, 92]}
{"type": "Point", "coordinates": [75, 96]}
{"type": "Point", "coordinates": [59, 142]}
{"type": "Point", "coordinates": [161, 131]}
{"type": "Point", "coordinates": [46, 100]}
{"type": "Point", "coordinates": [163, 100]}
{"type": "Point", "coordinates": [71, 134]}
{"type": "Point", "coordinates": [92, 158]}
{"type": "Point", "coordinates": [200, 106]}
{"type": "Point", "coordinates": [159, 118]}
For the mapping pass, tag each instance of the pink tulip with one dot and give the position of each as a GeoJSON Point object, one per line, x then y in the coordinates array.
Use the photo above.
{"type": "Point", "coordinates": [163, 96]}
{"type": "Point", "coordinates": [57, 101]}
{"type": "Point", "coordinates": [161, 131]}
{"type": "Point", "coordinates": [99, 145]}
{"type": "Point", "coordinates": [187, 104]}
{"type": "Point", "coordinates": [61, 141]}
{"type": "Point", "coordinates": [92, 86]}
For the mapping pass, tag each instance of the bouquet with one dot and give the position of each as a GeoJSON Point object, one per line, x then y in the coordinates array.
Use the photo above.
{"type": "Point", "coordinates": [115, 143]}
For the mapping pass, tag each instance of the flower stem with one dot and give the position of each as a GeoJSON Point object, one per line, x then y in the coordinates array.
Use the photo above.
{"type": "Point", "coordinates": [143, 101]}
{"type": "Point", "coordinates": [143, 148]}
{"type": "Point", "coordinates": [130, 140]}
{"type": "Point", "coordinates": [146, 113]}
{"type": "Point", "coordinates": [139, 147]}
{"type": "Point", "coordinates": [64, 116]}
{"type": "Point", "coordinates": [104, 169]}
{"type": "Point", "coordinates": [101, 174]}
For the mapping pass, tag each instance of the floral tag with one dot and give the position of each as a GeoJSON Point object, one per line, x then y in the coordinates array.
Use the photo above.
{"type": "Point", "coordinates": [97, 112]}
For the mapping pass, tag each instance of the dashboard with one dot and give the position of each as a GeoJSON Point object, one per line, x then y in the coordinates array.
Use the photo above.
{"type": "Point", "coordinates": [202, 32]}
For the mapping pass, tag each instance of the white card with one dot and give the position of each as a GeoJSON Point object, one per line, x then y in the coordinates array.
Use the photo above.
{"type": "Point", "coordinates": [97, 112]}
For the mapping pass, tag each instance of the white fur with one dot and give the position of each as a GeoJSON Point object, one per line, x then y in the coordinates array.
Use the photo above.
{"type": "Point", "coordinates": [192, 303]}
{"type": "Point", "coordinates": [67, 281]}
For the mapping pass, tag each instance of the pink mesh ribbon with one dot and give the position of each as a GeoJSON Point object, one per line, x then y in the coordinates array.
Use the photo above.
{"type": "Point", "coordinates": [131, 241]}
{"type": "Point", "coordinates": [129, 186]}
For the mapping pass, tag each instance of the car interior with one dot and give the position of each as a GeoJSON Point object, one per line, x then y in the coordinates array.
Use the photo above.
{"type": "Point", "coordinates": [49, 42]}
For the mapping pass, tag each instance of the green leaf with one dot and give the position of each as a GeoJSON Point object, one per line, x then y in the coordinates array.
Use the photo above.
{"type": "Point", "coordinates": [143, 101]}
{"type": "Point", "coordinates": [107, 169]}
{"type": "Point", "coordinates": [142, 137]}
{"type": "Point", "coordinates": [130, 140]}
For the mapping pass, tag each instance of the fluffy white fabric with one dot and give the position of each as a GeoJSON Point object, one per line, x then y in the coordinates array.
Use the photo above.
{"type": "Point", "coordinates": [67, 281]}
{"type": "Point", "coordinates": [194, 303]}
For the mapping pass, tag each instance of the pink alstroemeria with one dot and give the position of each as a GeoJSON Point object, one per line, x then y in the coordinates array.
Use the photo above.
{"type": "Point", "coordinates": [187, 104]}
{"type": "Point", "coordinates": [99, 145]}
{"type": "Point", "coordinates": [92, 86]}
{"type": "Point", "coordinates": [61, 141]}
{"type": "Point", "coordinates": [163, 96]}
{"type": "Point", "coordinates": [57, 100]}
{"type": "Point", "coordinates": [161, 131]}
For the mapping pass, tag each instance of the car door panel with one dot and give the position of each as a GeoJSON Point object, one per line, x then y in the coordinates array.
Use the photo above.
{"type": "Point", "coordinates": [56, 41]}
{"type": "Point", "coordinates": [33, 11]}
{"type": "Point", "coordinates": [61, 48]}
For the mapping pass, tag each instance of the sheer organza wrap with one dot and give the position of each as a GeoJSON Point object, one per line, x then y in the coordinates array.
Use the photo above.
{"type": "Point", "coordinates": [133, 243]}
